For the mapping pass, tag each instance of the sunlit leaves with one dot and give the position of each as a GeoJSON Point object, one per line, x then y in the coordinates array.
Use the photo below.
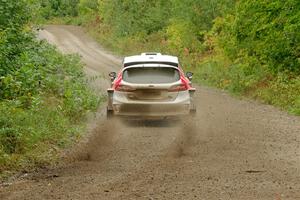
{"type": "Point", "coordinates": [270, 35]}
{"type": "Point", "coordinates": [13, 14]}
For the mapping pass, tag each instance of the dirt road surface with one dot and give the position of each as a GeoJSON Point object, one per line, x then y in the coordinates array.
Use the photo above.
{"type": "Point", "coordinates": [233, 149]}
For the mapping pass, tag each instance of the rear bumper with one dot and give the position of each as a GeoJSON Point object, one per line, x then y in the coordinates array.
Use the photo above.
{"type": "Point", "coordinates": [152, 109]}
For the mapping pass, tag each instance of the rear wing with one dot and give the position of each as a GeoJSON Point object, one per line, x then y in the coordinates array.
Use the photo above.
{"type": "Point", "coordinates": [150, 62]}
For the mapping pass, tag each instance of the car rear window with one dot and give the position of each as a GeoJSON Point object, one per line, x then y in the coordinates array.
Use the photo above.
{"type": "Point", "coordinates": [145, 75]}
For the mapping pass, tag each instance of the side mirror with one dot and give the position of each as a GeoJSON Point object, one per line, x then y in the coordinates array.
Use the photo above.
{"type": "Point", "coordinates": [112, 75]}
{"type": "Point", "coordinates": [189, 75]}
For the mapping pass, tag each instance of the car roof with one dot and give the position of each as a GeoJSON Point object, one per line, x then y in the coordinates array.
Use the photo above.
{"type": "Point", "coordinates": [151, 58]}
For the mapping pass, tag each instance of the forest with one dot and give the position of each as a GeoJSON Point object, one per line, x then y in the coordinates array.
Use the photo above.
{"type": "Point", "coordinates": [249, 48]}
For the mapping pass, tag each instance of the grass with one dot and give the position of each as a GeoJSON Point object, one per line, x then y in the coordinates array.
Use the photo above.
{"type": "Point", "coordinates": [33, 137]}
{"type": "Point", "coordinates": [281, 90]}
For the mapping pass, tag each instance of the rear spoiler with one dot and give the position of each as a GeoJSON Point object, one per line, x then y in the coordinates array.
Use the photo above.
{"type": "Point", "coordinates": [151, 62]}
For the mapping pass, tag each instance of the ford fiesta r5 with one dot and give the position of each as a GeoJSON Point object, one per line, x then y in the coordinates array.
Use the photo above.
{"type": "Point", "coordinates": [150, 86]}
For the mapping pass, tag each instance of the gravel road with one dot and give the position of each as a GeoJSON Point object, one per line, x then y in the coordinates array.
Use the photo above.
{"type": "Point", "coordinates": [232, 149]}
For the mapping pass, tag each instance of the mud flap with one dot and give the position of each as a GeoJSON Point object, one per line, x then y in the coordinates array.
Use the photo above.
{"type": "Point", "coordinates": [109, 108]}
{"type": "Point", "coordinates": [193, 108]}
{"type": "Point", "coordinates": [110, 93]}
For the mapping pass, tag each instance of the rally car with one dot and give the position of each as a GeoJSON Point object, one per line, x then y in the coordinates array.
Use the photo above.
{"type": "Point", "coordinates": [150, 86]}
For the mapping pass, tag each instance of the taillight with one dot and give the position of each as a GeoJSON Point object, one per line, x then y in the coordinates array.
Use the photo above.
{"type": "Point", "coordinates": [177, 88]}
{"type": "Point", "coordinates": [124, 88]}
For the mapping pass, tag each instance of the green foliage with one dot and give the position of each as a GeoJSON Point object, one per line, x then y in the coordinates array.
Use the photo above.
{"type": "Point", "coordinates": [128, 18]}
{"type": "Point", "coordinates": [180, 36]}
{"type": "Point", "coordinates": [216, 39]}
{"type": "Point", "coordinates": [270, 35]}
{"type": "Point", "coordinates": [33, 136]}
{"type": "Point", "coordinates": [263, 52]}
{"type": "Point", "coordinates": [282, 90]}
{"type": "Point", "coordinates": [43, 103]}
{"type": "Point", "coordinates": [87, 6]}
{"type": "Point", "coordinates": [44, 95]}
{"type": "Point", "coordinates": [13, 14]}
{"type": "Point", "coordinates": [58, 8]}
{"type": "Point", "coordinates": [131, 17]}
{"type": "Point", "coordinates": [200, 13]}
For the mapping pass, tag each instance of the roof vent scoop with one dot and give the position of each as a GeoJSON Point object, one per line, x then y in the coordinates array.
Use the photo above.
{"type": "Point", "coordinates": [151, 54]}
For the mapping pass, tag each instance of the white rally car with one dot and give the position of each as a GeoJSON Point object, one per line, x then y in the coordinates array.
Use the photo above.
{"type": "Point", "coordinates": [150, 86]}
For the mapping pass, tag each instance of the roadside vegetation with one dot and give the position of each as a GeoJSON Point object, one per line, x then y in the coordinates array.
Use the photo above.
{"type": "Point", "coordinates": [249, 48]}
{"type": "Point", "coordinates": [44, 95]}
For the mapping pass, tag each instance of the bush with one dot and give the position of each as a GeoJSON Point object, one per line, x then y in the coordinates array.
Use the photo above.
{"type": "Point", "coordinates": [58, 8]}
{"type": "Point", "coordinates": [44, 101]}
{"type": "Point", "coordinates": [34, 134]}
{"type": "Point", "coordinates": [282, 90]}
{"type": "Point", "coordinates": [270, 35]}
{"type": "Point", "coordinates": [13, 14]}
{"type": "Point", "coordinates": [44, 95]}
